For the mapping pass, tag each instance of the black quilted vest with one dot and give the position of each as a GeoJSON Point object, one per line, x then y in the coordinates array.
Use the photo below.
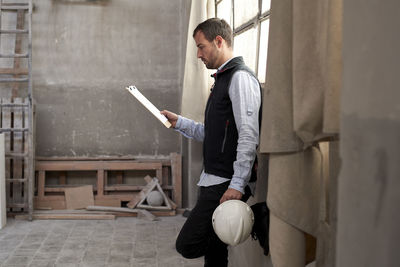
{"type": "Point", "coordinates": [221, 136]}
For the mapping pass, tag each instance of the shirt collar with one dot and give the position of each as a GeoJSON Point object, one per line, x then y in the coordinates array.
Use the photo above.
{"type": "Point", "coordinates": [221, 67]}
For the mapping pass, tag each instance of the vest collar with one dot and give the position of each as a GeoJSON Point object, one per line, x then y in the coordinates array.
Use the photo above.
{"type": "Point", "coordinates": [230, 64]}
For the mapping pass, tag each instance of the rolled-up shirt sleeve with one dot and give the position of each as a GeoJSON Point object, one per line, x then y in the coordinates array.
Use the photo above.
{"type": "Point", "coordinates": [190, 129]}
{"type": "Point", "coordinates": [245, 96]}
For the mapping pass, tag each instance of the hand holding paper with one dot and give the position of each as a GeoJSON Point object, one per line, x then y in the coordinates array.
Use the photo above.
{"type": "Point", "coordinates": [145, 102]}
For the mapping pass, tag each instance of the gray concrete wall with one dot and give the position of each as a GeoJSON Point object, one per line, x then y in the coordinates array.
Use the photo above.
{"type": "Point", "coordinates": [369, 185]}
{"type": "Point", "coordinates": [85, 53]}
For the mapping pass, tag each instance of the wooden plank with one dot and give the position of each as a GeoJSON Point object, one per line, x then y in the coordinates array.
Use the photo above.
{"type": "Point", "coordinates": [3, 207]}
{"type": "Point", "coordinates": [159, 175]}
{"type": "Point", "coordinates": [69, 212]}
{"type": "Point", "coordinates": [103, 208]}
{"type": "Point", "coordinates": [71, 216]}
{"type": "Point", "coordinates": [121, 197]}
{"type": "Point", "coordinates": [17, 147]}
{"type": "Point", "coordinates": [116, 213]}
{"type": "Point", "coordinates": [165, 175]}
{"type": "Point", "coordinates": [15, 71]}
{"type": "Point", "coordinates": [27, 172]}
{"type": "Point", "coordinates": [18, 48]}
{"type": "Point", "coordinates": [55, 204]}
{"type": "Point", "coordinates": [105, 180]}
{"type": "Point", "coordinates": [160, 213]}
{"type": "Point", "coordinates": [6, 123]}
{"type": "Point", "coordinates": [165, 160]}
{"type": "Point", "coordinates": [100, 182]}
{"type": "Point", "coordinates": [61, 188]}
{"type": "Point", "coordinates": [43, 208]}
{"type": "Point", "coordinates": [144, 214]}
{"type": "Point", "coordinates": [95, 165]}
{"type": "Point", "coordinates": [123, 187]}
{"type": "Point", "coordinates": [17, 206]}
{"type": "Point", "coordinates": [176, 170]}
{"type": "Point", "coordinates": [148, 207]}
{"type": "Point", "coordinates": [79, 197]}
{"type": "Point", "coordinates": [56, 189]}
{"type": "Point", "coordinates": [173, 205]}
{"type": "Point", "coordinates": [127, 210]}
{"type": "Point", "coordinates": [109, 202]}
{"type": "Point", "coordinates": [41, 184]}
{"type": "Point", "coordinates": [137, 198]}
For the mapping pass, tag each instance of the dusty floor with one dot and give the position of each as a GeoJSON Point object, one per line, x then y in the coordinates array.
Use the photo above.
{"type": "Point", "coordinates": [126, 241]}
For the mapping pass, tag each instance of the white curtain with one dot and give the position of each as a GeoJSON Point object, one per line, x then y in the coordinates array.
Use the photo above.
{"type": "Point", "coordinates": [196, 87]}
{"type": "Point", "coordinates": [197, 80]}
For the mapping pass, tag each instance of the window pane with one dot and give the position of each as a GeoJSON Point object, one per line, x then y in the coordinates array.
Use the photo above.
{"type": "Point", "coordinates": [245, 45]}
{"type": "Point", "coordinates": [245, 10]}
{"type": "Point", "coordinates": [262, 56]}
{"type": "Point", "coordinates": [266, 5]}
{"type": "Point", "coordinates": [224, 11]}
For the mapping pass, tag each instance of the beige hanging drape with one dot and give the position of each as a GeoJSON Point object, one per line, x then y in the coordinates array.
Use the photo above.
{"type": "Point", "coordinates": [197, 80]}
{"type": "Point", "coordinates": [196, 85]}
{"type": "Point", "coordinates": [301, 106]}
{"type": "Point", "coordinates": [301, 100]}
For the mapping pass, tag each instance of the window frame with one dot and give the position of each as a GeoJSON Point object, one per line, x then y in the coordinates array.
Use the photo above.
{"type": "Point", "coordinates": [251, 23]}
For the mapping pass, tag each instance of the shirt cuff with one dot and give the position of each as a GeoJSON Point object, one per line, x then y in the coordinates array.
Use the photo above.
{"type": "Point", "coordinates": [178, 124]}
{"type": "Point", "coordinates": [238, 184]}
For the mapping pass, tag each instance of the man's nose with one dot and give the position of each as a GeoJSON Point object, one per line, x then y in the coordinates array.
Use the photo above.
{"type": "Point", "coordinates": [198, 53]}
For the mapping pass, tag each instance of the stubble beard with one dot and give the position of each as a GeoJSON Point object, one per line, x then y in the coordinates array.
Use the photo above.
{"type": "Point", "coordinates": [211, 64]}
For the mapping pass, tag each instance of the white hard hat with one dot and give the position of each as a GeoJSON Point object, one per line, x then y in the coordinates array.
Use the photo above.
{"type": "Point", "coordinates": [233, 221]}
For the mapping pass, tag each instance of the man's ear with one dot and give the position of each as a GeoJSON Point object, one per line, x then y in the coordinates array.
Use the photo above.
{"type": "Point", "coordinates": [219, 41]}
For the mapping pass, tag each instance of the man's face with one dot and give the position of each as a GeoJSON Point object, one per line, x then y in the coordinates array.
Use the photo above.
{"type": "Point", "coordinates": [206, 51]}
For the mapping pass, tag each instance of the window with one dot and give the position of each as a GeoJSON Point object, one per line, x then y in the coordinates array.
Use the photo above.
{"type": "Point", "coordinates": [250, 23]}
{"type": "Point", "coordinates": [224, 8]}
{"type": "Point", "coordinates": [244, 10]}
{"type": "Point", "coordinates": [245, 44]}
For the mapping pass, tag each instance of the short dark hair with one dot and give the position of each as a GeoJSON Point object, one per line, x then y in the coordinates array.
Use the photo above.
{"type": "Point", "coordinates": [213, 27]}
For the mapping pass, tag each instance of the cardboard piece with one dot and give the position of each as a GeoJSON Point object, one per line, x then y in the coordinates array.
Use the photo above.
{"type": "Point", "coordinates": [79, 197]}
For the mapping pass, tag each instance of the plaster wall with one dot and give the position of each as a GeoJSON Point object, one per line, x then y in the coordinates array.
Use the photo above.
{"type": "Point", "coordinates": [85, 53]}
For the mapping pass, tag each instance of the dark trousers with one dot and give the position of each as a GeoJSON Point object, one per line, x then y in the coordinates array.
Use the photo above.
{"type": "Point", "coordinates": [197, 237]}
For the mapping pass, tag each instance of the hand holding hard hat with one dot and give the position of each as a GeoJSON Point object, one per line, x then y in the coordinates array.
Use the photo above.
{"type": "Point", "coordinates": [233, 221]}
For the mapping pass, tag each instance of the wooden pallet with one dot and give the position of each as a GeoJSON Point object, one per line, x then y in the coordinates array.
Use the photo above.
{"type": "Point", "coordinates": [167, 170]}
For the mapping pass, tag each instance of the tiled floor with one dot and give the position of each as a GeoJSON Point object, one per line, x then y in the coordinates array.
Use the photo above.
{"type": "Point", "coordinates": [126, 241]}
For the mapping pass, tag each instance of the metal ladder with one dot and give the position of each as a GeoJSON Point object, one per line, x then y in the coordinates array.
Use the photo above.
{"type": "Point", "coordinates": [16, 119]}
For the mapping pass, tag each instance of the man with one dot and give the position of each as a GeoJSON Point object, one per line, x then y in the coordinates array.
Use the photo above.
{"type": "Point", "coordinates": [230, 136]}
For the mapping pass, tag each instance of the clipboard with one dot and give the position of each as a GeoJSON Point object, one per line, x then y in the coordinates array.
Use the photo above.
{"type": "Point", "coordinates": [147, 104]}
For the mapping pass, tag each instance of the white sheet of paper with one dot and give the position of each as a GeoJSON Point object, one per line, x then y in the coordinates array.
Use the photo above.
{"type": "Point", "coordinates": [142, 99]}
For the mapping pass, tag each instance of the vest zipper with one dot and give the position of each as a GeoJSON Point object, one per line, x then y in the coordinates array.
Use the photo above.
{"type": "Point", "coordinates": [226, 132]}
